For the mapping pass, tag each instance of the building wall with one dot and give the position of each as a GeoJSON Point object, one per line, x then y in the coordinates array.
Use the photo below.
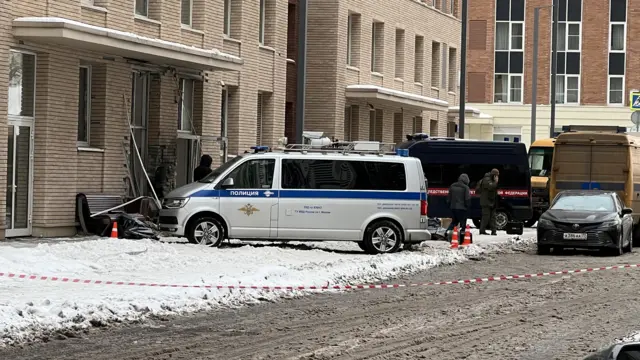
{"type": "Point", "coordinates": [328, 72]}
{"type": "Point", "coordinates": [593, 107]}
{"type": "Point", "coordinates": [62, 168]}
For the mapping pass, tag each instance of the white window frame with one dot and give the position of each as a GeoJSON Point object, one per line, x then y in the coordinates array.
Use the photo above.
{"type": "Point", "coordinates": [509, 77]}
{"type": "Point", "coordinates": [87, 114]}
{"type": "Point", "coordinates": [190, 24]}
{"type": "Point", "coordinates": [146, 7]}
{"type": "Point", "coordinates": [227, 18]}
{"type": "Point", "coordinates": [566, 76]}
{"type": "Point", "coordinates": [189, 117]}
{"type": "Point", "coordinates": [609, 77]}
{"type": "Point", "coordinates": [566, 36]}
{"type": "Point", "coordinates": [262, 21]}
{"type": "Point", "coordinates": [624, 47]}
{"type": "Point", "coordinates": [511, 23]}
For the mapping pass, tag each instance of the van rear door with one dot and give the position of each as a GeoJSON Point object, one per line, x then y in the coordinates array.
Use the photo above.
{"type": "Point", "coordinates": [590, 165]}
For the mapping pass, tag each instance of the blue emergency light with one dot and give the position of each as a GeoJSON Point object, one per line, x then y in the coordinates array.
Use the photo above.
{"type": "Point", "coordinates": [402, 152]}
{"type": "Point", "coordinates": [259, 148]}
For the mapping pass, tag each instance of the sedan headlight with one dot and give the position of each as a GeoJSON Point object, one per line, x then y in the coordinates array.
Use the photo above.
{"type": "Point", "coordinates": [545, 222]}
{"type": "Point", "coordinates": [175, 203]}
{"type": "Point", "coordinates": [610, 223]}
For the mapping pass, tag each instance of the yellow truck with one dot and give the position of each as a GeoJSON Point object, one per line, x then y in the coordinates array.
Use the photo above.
{"type": "Point", "coordinates": [599, 159]}
{"type": "Point", "coordinates": [540, 159]}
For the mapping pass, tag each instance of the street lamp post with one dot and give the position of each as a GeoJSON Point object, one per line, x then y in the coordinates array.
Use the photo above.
{"type": "Point", "coordinates": [534, 86]}
{"type": "Point", "coordinates": [463, 71]}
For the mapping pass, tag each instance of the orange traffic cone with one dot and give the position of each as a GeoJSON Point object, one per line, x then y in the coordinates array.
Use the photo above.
{"type": "Point", "coordinates": [454, 238]}
{"type": "Point", "coordinates": [114, 230]}
{"type": "Point", "coordinates": [467, 237]}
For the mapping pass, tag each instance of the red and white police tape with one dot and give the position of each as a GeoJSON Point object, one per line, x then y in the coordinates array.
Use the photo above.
{"type": "Point", "coordinates": [312, 287]}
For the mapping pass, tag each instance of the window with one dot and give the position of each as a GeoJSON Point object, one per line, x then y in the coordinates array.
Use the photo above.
{"type": "Point", "coordinates": [377, 47]}
{"type": "Point", "coordinates": [84, 104]}
{"type": "Point", "coordinates": [186, 12]}
{"type": "Point", "coordinates": [453, 69]}
{"type": "Point", "coordinates": [375, 124]}
{"type": "Point", "coordinates": [418, 61]}
{"type": "Point", "coordinates": [569, 47]}
{"type": "Point", "coordinates": [442, 175]}
{"type": "Point", "coordinates": [443, 67]}
{"type": "Point", "coordinates": [617, 51]}
{"type": "Point", "coordinates": [253, 174]}
{"type": "Point", "coordinates": [353, 39]}
{"type": "Point", "coordinates": [399, 73]}
{"type": "Point", "coordinates": [540, 160]}
{"type": "Point", "coordinates": [227, 18]}
{"type": "Point", "coordinates": [262, 20]}
{"type": "Point", "coordinates": [142, 7]}
{"type": "Point", "coordinates": [185, 113]}
{"type": "Point", "coordinates": [343, 175]}
{"type": "Point", "coordinates": [416, 124]}
{"type": "Point", "coordinates": [22, 75]}
{"type": "Point", "coordinates": [435, 63]}
{"type": "Point", "coordinates": [509, 51]}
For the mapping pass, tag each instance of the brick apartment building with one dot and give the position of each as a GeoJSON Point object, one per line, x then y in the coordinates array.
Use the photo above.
{"type": "Point", "coordinates": [595, 66]}
{"type": "Point", "coordinates": [185, 73]}
{"type": "Point", "coordinates": [379, 70]}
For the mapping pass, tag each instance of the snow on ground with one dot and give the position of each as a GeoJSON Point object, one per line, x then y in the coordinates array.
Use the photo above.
{"type": "Point", "coordinates": [31, 308]}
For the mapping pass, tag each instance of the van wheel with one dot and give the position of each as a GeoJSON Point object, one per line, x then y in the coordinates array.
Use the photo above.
{"type": "Point", "coordinates": [207, 231]}
{"type": "Point", "coordinates": [501, 219]}
{"type": "Point", "coordinates": [382, 237]}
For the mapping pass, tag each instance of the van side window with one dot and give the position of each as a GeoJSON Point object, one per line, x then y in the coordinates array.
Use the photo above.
{"type": "Point", "coordinates": [253, 174]}
{"type": "Point", "coordinates": [443, 175]}
{"type": "Point", "coordinates": [343, 175]}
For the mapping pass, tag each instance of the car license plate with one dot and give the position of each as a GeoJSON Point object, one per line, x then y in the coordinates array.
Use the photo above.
{"type": "Point", "coordinates": [575, 236]}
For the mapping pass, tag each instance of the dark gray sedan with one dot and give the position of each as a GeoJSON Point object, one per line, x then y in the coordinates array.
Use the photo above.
{"type": "Point", "coordinates": [592, 219]}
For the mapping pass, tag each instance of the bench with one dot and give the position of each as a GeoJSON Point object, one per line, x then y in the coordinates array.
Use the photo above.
{"type": "Point", "coordinates": [92, 214]}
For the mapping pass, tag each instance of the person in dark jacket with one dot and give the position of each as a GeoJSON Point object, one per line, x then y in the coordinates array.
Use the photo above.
{"type": "Point", "coordinates": [204, 169]}
{"type": "Point", "coordinates": [488, 201]}
{"type": "Point", "coordinates": [459, 200]}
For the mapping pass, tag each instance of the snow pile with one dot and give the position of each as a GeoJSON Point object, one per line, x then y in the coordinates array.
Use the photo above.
{"type": "Point", "coordinates": [633, 337]}
{"type": "Point", "coordinates": [32, 308]}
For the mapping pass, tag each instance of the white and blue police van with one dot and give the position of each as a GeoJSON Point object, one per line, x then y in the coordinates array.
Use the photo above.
{"type": "Point", "coordinates": [338, 192]}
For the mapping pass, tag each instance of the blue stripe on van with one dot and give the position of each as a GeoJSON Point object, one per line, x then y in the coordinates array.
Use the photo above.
{"type": "Point", "coordinates": [580, 185]}
{"type": "Point", "coordinates": [313, 194]}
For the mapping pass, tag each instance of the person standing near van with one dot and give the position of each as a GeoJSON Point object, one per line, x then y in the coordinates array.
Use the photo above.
{"type": "Point", "coordinates": [459, 200]}
{"type": "Point", "coordinates": [488, 188]}
{"type": "Point", "coordinates": [204, 169]}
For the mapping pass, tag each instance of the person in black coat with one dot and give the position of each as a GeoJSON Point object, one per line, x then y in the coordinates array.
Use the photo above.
{"type": "Point", "coordinates": [459, 200]}
{"type": "Point", "coordinates": [204, 169]}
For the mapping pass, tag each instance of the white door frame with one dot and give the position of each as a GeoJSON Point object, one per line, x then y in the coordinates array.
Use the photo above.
{"type": "Point", "coordinates": [25, 121]}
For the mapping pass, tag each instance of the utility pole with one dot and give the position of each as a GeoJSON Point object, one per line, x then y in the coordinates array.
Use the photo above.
{"type": "Point", "coordinates": [554, 67]}
{"type": "Point", "coordinates": [301, 69]}
{"type": "Point", "coordinates": [463, 71]}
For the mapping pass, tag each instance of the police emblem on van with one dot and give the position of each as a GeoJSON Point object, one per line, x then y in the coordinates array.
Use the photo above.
{"type": "Point", "coordinates": [249, 209]}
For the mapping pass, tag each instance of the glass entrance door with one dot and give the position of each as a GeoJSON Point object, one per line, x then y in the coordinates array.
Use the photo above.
{"type": "Point", "coordinates": [18, 200]}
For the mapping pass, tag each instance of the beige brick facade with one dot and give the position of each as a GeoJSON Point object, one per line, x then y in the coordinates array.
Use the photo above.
{"type": "Point", "coordinates": [62, 167]}
{"type": "Point", "coordinates": [334, 62]}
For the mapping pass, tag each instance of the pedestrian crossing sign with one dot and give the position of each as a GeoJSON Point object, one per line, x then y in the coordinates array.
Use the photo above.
{"type": "Point", "coordinates": [634, 101]}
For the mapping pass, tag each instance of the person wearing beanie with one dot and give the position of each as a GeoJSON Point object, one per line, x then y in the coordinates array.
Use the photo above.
{"type": "Point", "coordinates": [488, 188]}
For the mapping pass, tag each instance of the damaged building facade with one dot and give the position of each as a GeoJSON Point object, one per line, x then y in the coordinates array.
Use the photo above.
{"type": "Point", "coordinates": [93, 83]}
{"type": "Point", "coordinates": [184, 74]}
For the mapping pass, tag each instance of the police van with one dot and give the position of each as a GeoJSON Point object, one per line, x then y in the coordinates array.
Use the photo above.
{"type": "Point", "coordinates": [340, 192]}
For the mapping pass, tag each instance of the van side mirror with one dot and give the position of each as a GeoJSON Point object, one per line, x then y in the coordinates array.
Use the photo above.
{"type": "Point", "coordinates": [228, 183]}
{"type": "Point", "coordinates": [626, 211]}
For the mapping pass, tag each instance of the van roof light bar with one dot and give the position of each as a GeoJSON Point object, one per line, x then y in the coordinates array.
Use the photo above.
{"type": "Point", "coordinates": [345, 147]}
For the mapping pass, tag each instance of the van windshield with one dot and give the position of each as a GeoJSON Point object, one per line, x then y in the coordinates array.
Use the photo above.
{"type": "Point", "coordinates": [221, 169]}
{"type": "Point", "coordinates": [540, 159]}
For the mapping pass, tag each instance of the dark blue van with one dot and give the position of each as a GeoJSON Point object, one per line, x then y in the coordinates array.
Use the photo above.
{"type": "Point", "coordinates": [444, 159]}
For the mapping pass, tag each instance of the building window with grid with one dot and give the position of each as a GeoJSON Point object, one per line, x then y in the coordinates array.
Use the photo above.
{"type": "Point", "coordinates": [617, 51]}
{"type": "Point", "coordinates": [418, 60]}
{"type": "Point", "coordinates": [142, 7]}
{"type": "Point", "coordinates": [263, 12]}
{"type": "Point", "coordinates": [569, 45]}
{"type": "Point", "coordinates": [509, 51]}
